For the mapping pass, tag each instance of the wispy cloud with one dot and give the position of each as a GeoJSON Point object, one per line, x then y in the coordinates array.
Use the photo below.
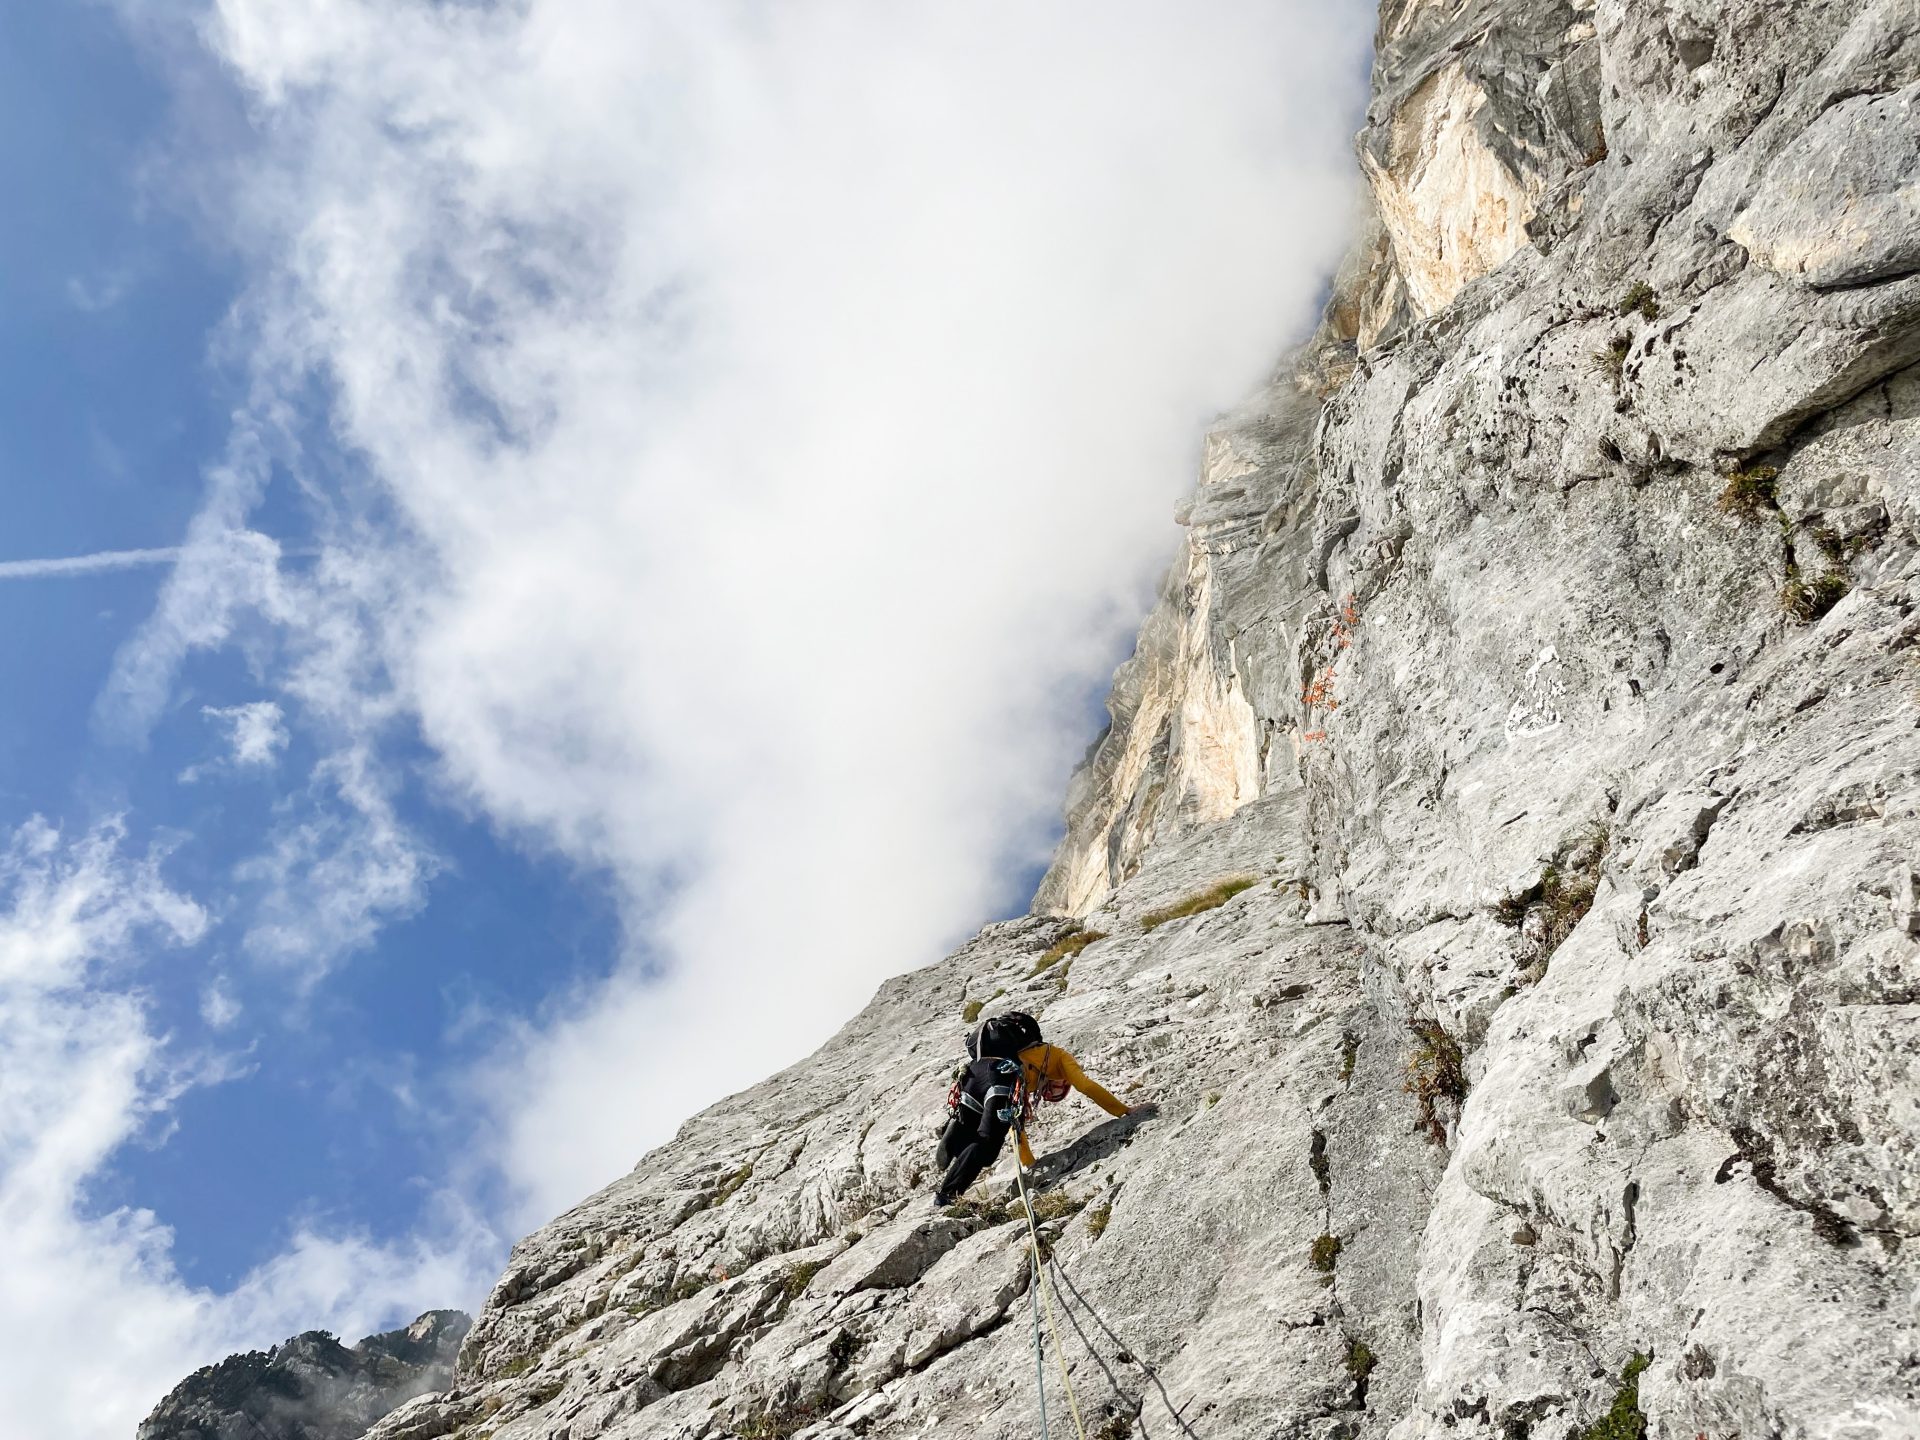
{"type": "Point", "coordinates": [97, 293]}
{"type": "Point", "coordinates": [70, 566]}
{"type": "Point", "coordinates": [256, 733]}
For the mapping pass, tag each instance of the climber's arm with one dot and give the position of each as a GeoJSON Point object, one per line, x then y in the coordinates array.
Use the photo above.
{"type": "Point", "coordinates": [1092, 1089]}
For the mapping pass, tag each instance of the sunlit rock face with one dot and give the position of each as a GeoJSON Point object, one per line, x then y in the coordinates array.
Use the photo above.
{"type": "Point", "coordinates": [1503, 853]}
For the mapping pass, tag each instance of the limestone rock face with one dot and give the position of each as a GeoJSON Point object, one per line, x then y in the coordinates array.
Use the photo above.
{"type": "Point", "coordinates": [1502, 867]}
{"type": "Point", "coordinates": [312, 1387]}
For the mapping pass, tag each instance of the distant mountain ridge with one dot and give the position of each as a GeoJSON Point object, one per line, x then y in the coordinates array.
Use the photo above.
{"type": "Point", "coordinates": [311, 1387]}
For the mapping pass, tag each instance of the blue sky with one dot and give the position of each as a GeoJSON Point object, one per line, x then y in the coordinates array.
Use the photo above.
{"type": "Point", "coordinates": [110, 406]}
{"type": "Point", "coordinates": [619, 467]}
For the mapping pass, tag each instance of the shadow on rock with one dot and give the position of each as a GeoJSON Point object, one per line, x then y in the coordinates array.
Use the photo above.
{"type": "Point", "coordinates": [1123, 1353]}
{"type": "Point", "coordinates": [1098, 1143]}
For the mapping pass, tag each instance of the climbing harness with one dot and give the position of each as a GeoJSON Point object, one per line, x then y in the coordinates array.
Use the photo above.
{"type": "Point", "coordinates": [1041, 1281]}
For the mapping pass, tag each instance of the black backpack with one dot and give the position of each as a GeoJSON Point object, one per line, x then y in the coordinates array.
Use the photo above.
{"type": "Point", "coordinates": [1003, 1037]}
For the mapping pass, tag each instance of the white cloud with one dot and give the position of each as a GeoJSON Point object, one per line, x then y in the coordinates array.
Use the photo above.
{"type": "Point", "coordinates": [256, 731]}
{"type": "Point", "coordinates": [769, 420]}
{"type": "Point", "coordinates": [329, 880]}
{"type": "Point", "coordinates": [98, 1324]}
{"type": "Point", "coordinates": [218, 1007]}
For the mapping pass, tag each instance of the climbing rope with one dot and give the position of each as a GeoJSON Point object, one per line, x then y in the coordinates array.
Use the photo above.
{"type": "Point", "coordinates": [1046, 1295]}
{"type": "Point", "coordinates": [1039, 1352]}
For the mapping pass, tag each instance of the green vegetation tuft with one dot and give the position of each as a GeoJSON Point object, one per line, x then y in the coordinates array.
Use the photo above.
{"type": "Point", "coordinates": [516, 1367]}
{"type": "Point", "coordinates": [686, 1289]}
{"type": "Point", "coordinates": [1749, 493]}
{"type": "Point", "coordinates": [1360, 1360]}
{"type": "Point", "coordinates": [1624, 1420]}
{"type": "Point", "coordinates": [1566, 897]}
{"type": "Point", "coordinates": [1349, 1053]}
{"type": "Point", "coordinates": [1639, 297]}
{"type": "Point", "coordinates": [1566, 890]}
{"type": "Point", "coordinates": [1066, 947]}
{"type": "Point", "coordinates": [1212, 898]}
{"type": "Point", "coordinates": [1098, 1218]}
{"type": "Point", "coordinates": [1055, 1205]}
{"type": "Point", "coordinates": [776, 1422]}
{"type": "Point", "coordinates": [993, 1212]}
{"type": "Point", "coordinates": [800, 1276]}
{"type": "Point", "coordinates": [1436, 1070]}
{"type": "Point", "coordinates": [732, 1183]}
{"type": "Point", "coordinates": [1807, 600]}
{"type": "Point", "coordinates": [1213, 1098]}
{"type": "Point", "coordinates": [1324, 1252]}
{"type": "Point", "coordinates": [970, 1011]}
{"type": "Point", "coordinates": [1612, 361]}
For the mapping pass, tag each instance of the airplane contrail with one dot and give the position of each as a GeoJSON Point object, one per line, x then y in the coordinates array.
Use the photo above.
{"type": "Point", "coordinates": [87, 564]}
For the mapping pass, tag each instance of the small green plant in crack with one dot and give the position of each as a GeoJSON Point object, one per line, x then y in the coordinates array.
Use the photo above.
{"type": "Point", "coordinates": [1511, 910]}
{"type": "Point", "coordinates": [729, 1185]}
{"type": "Point", "coordinates": [1624, 1420]}
{"type": "Point", "coordinates": [1639, 297]}
{"type": "Point", "coordinates": [776, 1422]}
{"type": "Point", "coordinates": [800, 1276]}
{"type": "Point", "coordinates": [1066, 947]}
{"type": "Point", "coordinates": [1360, 1360]}
{"type": "Point", "coordinates": [1324, 1252]}
{"type": "Point", "coordinates": [1750, 492]}
{"type": "Point", "coordinates": [991, 1212]}
{"type": "Point", "coordinates": [686, 1289]}
{"type": "Point", "coordinates": [1807, 600]}
{"type": "Point", "coordinates": [1211, 898]}
{"type": "Point", "coordinates": [1612, 361]}
{"type": "Point", "coordinates": [1117, 1426]}
{"type": "Point", "coordinates": [1566, 896]}
{"type": "Point", "coordinates": [970, 1011]}
{"type": "Point", "coordinates": [1436, 1071]}
{"type": "Point", "coordinates": [1349, 1053]}
{"type": "Point", "coordinates": [516, 1367]}
{"type": "Point", "coordinates": [1055, 1205]}
{"type": "Point", "coordinates": [1098, 1218]}
{"type": "Point", "coordinates": [1564, 893]}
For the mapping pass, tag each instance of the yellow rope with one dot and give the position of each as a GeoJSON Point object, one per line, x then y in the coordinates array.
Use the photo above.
{"type": "Point", "coordinates": [1046, 1294]}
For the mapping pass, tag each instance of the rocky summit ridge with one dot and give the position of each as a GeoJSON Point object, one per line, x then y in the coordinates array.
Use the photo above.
{"type": "Point", "coordinates": [311, 1387]}
{"type": "Point", "coordinates": [1501, 865]}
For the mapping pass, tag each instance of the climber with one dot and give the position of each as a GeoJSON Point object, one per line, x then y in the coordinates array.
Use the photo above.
{"type": "Point", "coordinates": [1010, 1067]}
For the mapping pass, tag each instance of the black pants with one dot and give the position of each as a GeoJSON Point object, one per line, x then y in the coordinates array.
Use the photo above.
{"type": "Point", "coordinates": [966, 1152]}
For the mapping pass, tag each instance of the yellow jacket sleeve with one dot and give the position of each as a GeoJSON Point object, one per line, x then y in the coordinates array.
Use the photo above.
{"type": "Point", "coordinates": [1071, 1072]}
